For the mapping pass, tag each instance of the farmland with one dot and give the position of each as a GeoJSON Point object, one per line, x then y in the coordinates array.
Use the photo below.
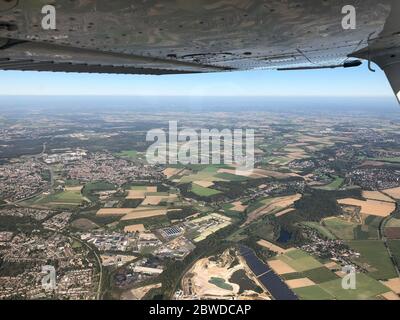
{"type": "Point", "coordinates": [320, 228]}
{"type": "Point", "coordinates": [270, 205]}
{"type": "Point", "coordinates": [374, 258]}
{"type": "Point", "coordinates": [366, 288]}
{"type": "Point", "coordinates": [314, 203]}
{"type": "Point", "coordinates": [340, 228]}
{"type": "Point", "coordinates": [311, 280]}
{"type": "Point", "coordinates": [59, 200]}
{"type": "Point", "coordinates": [393, 192]}
{"type": "Point", "coordinates": [204, 192]}
{"type": "Point", "coordinates": [334, 185]}
{"type": "Point", "coordinates": [128, 154]}
{"type": "Point", "coordinates": [371, 207]}
{"type": "Point", "coordinates": [208, 173]}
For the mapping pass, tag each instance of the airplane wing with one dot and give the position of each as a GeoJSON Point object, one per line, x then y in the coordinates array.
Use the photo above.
{"type": "Point", "coordinates": [195, 36]}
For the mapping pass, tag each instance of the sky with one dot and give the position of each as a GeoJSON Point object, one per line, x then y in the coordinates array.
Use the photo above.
{"type": "Point", "coordinates": [326, 82]}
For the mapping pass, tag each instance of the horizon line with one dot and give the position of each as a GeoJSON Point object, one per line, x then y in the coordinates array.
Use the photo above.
{"type": "Point", "coordinates": [188, 96]}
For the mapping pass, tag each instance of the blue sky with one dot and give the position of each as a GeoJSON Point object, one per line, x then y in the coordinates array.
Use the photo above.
{"type": "Point", "coordinates": [339, 82]}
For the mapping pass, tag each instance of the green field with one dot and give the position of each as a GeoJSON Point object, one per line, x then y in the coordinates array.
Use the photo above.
{"type": "Point", "coordinates": [59, 200]}
{"type": "Point", "coordinates": [394, 246]}
{"type": "Point", "coordinates": [334, 185]}
{"type": "Point", "coordinates": [230, 212]}
{"type": "Point", "coordinates": [138, 188]}
{"type": "Point", "coordinates": [219, 282]}
{"type": "Point", "coordinates": [260, 202]}
{"type": "Point", "coordinates": [93, 187]}
{"type": "Point", "coordinates": [317, 275]}
{"type": "Point", "coordinates": [369, 230]}
{"type": "Point", "coordinates": [321, 229]}
{"type": "Point", "coordinates": [328, 284]}
{"type": "Point", "coordinates": [393, 223]}
{"type": "Point", "coordinates": [231, 177]}
{"type": "Point", "coordinates": [374, 258]}
{"type": "Point", "coordinates": [208, 173]}
{"type": "Point", "coordinates": [72, 183]}
{"type": "Point", "coordinates": [292, 276]}
{"type": "Point", "coordinates": [203, 192]}
{"type": "Point", "coordinates": [297, 254]}
{"type": "Point", "coordinates": [340, 228]}
{"type": "Point", "coordinates": [264, 230]}
{"type": "Point", "coordinates": [313, 293]}
{"type": "Point", "coordinates": [130, 154]}
{"type": "Point", "coordinates": [300, 260]}
{"type": "Point", "coordinates": [67, 196]}
{"type": "Point", "coordinates": [76, 245]}
{"type": "Point", "coordinates": [366, 288]}
{"type": "Point", "coordinates": [320, 275]}
{"type": "Point", "coordinates": [257, 204]}
{"type": "Point", "coordinates": [98, 186]}
{"type": "Point", "coordinates": [278, 160]}
{"type": "Point", "coordinates": [373, 222]}
{"type": "Point", "coordinates": [386, 159]}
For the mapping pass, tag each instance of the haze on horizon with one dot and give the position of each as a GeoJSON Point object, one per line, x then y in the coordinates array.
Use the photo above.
{"type": "Point", "coordinates": [354, 82]}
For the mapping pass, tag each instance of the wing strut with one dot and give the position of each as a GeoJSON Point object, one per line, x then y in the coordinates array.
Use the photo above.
{"type": "Point", "coordinates": [388, 60]}
{"type": "Point", "coordinates": [392, 71]}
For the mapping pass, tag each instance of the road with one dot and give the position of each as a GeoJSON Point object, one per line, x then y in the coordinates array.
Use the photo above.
{"type": "Point", "coordinates": [381, 234]}
{"type": "Point", "coordinates": [98, 295]}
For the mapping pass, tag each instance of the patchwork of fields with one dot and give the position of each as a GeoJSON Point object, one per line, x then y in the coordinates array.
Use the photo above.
{"type": "Point", "coordinates": [312, 280]}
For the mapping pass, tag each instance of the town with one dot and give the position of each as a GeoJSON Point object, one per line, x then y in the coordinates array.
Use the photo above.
{"type": "Point", "coordinates": [81, 198]}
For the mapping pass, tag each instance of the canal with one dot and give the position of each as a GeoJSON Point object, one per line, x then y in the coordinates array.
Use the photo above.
{"type": "Point", "coordinates": [269, 279]}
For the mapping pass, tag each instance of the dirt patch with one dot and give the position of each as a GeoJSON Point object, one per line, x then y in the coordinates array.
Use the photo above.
{"type": "Point", "coordinates": [271, 206]}
{"type": "Point", "coordinates": [390, 296]}
{"type": "Point", "coordinates": [77, 188]}
{"type": "Point", "coordinates": [393, 284]}
{"type": "Point", "coordinates": [393, 192]}
{"type": "Point", "coordinates": [113, 211]}
{"type": "Point", "coordinates": [139, 293]}
{"type": "Point", "coordinates": [282, 213]}
{"type": "Point", "coordinates": [203, 183]}
{"type": "Point", "coordinates": [84, 224]}
{"type": "Point", "coordinates": [332, 265]}
{"type": "Point", "coordinates": [280, 267]}
{"type": "Point", "coordinates": [376, 195]}
{"type": "Point", "coordinates": [371, 163]}
{"type": "Point", "coordinates": [170, 172]}
{"type": "Point", "coordinates": [235, 172]}
{"type": "Point", "coordinates": [371, 207]}
{"type": "Point", "coordinates": [201, 273]}
{"type": "Point", "coordinates": [140, 214]}
{"type": "Point", "coordinates": [135, 228]}
{"type": "Point", "coordinates": [270, 246]}
{"type": "Point", "coordinates": [300, 283]}
{"type": "Point", "coordinates": [155, 200]}
{"type": "Point", "coordinates": [238, 206]}
{"type": "Point", "coordinates": [258, 173]}
{"type": "Point", "coordinates": [140, 194]}
{"type": "Point", "coordinates": [135, 194]}
{"type": "Point", "coordinates": [261, 173]}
